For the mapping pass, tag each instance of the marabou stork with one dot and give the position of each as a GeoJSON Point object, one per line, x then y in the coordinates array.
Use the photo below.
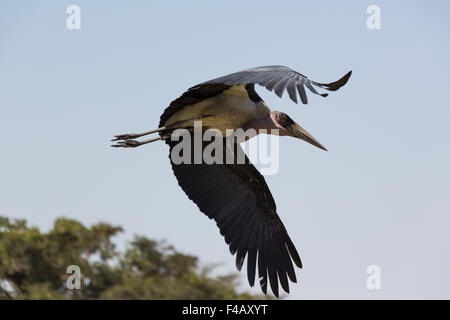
{"type": "Point", "coordinates": [235, 195]}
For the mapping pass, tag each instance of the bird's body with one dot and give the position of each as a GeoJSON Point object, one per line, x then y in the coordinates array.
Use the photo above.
{"type": "Point", "coordinates": [232, 109]}
{"type": "Point", "coordinates": [234, 193]}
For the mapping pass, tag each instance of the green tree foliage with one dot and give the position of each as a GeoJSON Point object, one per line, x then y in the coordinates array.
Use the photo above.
{"type": "Point", "coordinates": [33, 265]}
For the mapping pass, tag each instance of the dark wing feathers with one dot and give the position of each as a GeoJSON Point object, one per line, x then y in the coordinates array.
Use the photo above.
{"type": "Point", "coordinates": [281, 86]}
{"type": "Point", "coordinates": [279, 78]}
{"type": "Point", "coordinates": [302, 93]}
{"type": "Point", "coordinates": [236, 196]}
{"type": "Point", "coordinates": [291, 90]}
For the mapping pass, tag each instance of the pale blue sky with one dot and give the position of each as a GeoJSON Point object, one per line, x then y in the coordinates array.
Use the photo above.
{"type": "Point", "coordinates": [381, 195]}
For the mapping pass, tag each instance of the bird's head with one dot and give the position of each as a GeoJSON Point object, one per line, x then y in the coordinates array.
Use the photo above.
{"type": "Point", "coordinates": [288, 127]}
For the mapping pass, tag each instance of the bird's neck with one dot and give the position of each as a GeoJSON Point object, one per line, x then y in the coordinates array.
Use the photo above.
{"type": "Point", "coordinates": [261, 125]}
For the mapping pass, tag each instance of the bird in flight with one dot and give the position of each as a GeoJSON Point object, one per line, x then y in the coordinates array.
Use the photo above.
{"type": "Point", "coordinates": [235, 194]}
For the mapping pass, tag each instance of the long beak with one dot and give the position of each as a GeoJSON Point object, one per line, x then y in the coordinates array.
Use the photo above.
{"type": "Point", "coordinates": [298, 132]}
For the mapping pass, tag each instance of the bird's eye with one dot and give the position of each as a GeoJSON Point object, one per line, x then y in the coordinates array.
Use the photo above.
{"type": "Point", "coordinates": [284, 119]}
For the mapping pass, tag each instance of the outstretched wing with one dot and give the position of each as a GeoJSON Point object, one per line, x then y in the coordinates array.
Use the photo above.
{"type": "Point", "coordinates": [279, 78]}
{"type": "Point", "coordinates": [236, 196]}
{"type": "Point", "coordinates": [276, 78]}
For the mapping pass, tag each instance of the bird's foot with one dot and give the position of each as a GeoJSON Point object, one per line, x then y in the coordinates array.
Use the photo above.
{"type": "Point", "coordinates": [128, 143]}
{"type": "Point", "coordinates": [126, 136]}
